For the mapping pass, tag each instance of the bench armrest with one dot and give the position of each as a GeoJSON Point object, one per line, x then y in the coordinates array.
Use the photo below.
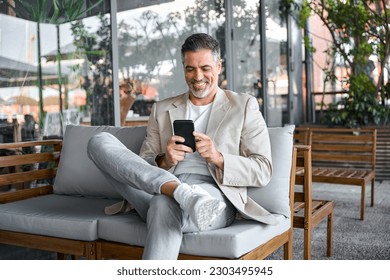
{"type": "Point", "coordinates": [25, 194]}
{"type": "Point", "coordinates": [25, 165]}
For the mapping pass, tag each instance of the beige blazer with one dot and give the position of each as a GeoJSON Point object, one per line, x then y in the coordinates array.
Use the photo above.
{"type": "Point", "coordinates": [239, 132]}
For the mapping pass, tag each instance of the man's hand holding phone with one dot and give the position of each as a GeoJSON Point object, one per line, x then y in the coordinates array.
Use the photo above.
{"type": "Point", "coordinates": [185, 129]}
{"type": "Point", "coordinates": [207, 150]}
{"type": "Point", "coordinates": [182, 142]}
{"type": "Point", "coordinates": [198, 142]}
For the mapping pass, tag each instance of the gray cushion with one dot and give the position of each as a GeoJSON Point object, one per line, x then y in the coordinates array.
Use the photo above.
{"type": "Point", "coordinates": [55, 215]}
{"type": "Point", "coordinates": [77, 174]}
{"type": "Point", "coordinates": [231, 242]}
{"type": "Point", "coordinates": [275, 196]}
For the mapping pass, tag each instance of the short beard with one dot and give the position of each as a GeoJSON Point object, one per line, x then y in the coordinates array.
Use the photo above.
{"type": "Point", "coordinates": [200, 95]}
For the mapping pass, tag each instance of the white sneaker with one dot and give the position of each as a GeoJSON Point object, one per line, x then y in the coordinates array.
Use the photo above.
{"type": "Point", "coordinates": [199, 204]}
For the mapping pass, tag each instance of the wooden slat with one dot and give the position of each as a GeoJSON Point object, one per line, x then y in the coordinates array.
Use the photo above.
{"type": "Point", "coordinates": [112, 250]}
{"type": "Point", "coordinates": [118, 251]}
{"type": "Point", "coordinates": [7, 197]}
{"type": "Point", "coordinates": [359, 131]}
{"type": "Point", "coordinates": [336, 172]}
{"type": "Point", "coordinates": [28, 176]}
{"type": "Point", "coordinates": [330, 157]}
{"type": "Point", "coordinates": [350, 147]}
{"type": "Point", "coordinates": [17, 145]}
{"type": "Point", "coordinates": [317, 204]}
{"type": "Point", "coordinates": [299, 205]}
{"type": "Point", "coordinates": [338, 180]}
{"type": "Point", "coordinates": [53, 244]}
{"type": "Point", "coordinates": [340, 138]}
{"type": "Point", "coordinates": [28, 158]}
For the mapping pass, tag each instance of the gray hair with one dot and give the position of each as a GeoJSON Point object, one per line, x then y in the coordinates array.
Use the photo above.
{"type": "Point", "coordinates": [199, 41]}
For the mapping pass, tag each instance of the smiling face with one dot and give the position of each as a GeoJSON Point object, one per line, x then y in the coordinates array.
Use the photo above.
{"type": "Point", "coordinates": [201, 72]}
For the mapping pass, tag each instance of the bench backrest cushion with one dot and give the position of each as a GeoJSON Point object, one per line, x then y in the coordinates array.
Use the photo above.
{"type": "Point", "coordinates": [275, 197]}
{"type": "Point", "coordinates": [77, 174]}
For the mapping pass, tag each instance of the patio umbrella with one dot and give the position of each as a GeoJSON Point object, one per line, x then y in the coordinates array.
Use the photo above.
{"type": "Point", "coordinates": [51, 101]}
{"type": "Point", "coordinates": [68, 52]}
{"type": "Point", "coordinates": [22, 100]}
{"type": "Point", "coordinates": [15, 73]}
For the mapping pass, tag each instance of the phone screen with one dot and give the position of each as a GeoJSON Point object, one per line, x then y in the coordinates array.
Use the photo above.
{"type": "Point", "coordinates": [185, 128]}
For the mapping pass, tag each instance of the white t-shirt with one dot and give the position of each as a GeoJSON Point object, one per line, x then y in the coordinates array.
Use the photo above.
{"type": "Point", "coordinates": [193, 162]}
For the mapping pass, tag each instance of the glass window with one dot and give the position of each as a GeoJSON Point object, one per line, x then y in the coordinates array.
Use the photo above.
{"type": "Point", "coordinates": [54, 70]}
{"type": "Point", "coordinates": [19, 94]}
{"type": "Point", "coordinates": [149, 42]}
{"type": "Point", "coordinates": [246, 62]}
{"type": "Point", "coordinates": [277, 64]}
{"type": "Point", "coordinates": [75, 60]}
{"type": "Point", "coordinates": [91, 70]}
{"type": "Point", "coordinates": [246, 47]}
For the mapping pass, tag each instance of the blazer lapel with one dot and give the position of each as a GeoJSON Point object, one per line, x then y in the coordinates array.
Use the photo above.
{"type": "Point", "coordinates": [221, 106]}
{"type": "Point", "coordinates": [179, 110]}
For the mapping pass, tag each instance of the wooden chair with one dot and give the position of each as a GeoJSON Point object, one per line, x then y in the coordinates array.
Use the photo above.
{"type": "Point", "coordinates": [308, 213]}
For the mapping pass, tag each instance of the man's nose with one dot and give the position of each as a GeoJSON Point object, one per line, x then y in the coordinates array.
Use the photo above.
{"type": "Point", "coordinates": [198, 75]}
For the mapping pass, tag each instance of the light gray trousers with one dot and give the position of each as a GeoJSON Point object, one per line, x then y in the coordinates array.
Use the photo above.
{"type": "Point", "coordinates": [139, 183]}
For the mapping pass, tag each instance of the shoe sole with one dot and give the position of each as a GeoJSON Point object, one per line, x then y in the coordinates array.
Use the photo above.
{"type": "Point", "coordinates": [208, 212]}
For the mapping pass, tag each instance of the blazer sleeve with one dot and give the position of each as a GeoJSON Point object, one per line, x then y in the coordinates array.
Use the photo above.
{"type": "Point", "coordinates": [253, 165]}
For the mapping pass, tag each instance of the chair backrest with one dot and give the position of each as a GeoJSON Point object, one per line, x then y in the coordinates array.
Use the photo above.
{"type": "Point", "coordinates": [304, 164]}
{"type": "Point", "coordinates": [302, 135]}
{"type": "Point", "coordinates": [342, 147]}
{"type": "Point", "coordinates": [349, 147]}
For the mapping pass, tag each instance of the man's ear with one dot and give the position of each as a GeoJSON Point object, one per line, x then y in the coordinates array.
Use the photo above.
{"type": "Point", "coordinates": [219, 66]}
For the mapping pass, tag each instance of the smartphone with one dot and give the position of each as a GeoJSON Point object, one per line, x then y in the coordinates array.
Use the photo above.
{"type": "Point", "coordinates": [185, 128]}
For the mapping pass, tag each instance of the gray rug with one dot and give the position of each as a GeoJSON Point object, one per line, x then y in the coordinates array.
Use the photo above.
{"type": "Point", "coordinates": [353, 239]}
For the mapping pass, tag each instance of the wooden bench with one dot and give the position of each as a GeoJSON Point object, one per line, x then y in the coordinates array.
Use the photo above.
{"type": "Point", "coordinates": [43, 231]}
{"type": "Point", "coordinates": [341, 156]}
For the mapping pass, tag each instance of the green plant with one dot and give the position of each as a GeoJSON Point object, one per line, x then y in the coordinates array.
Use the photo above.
{"type": "Point", "coordinates": [359, 30]}
{"type": "Point", "coordinates": [359, 107]}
